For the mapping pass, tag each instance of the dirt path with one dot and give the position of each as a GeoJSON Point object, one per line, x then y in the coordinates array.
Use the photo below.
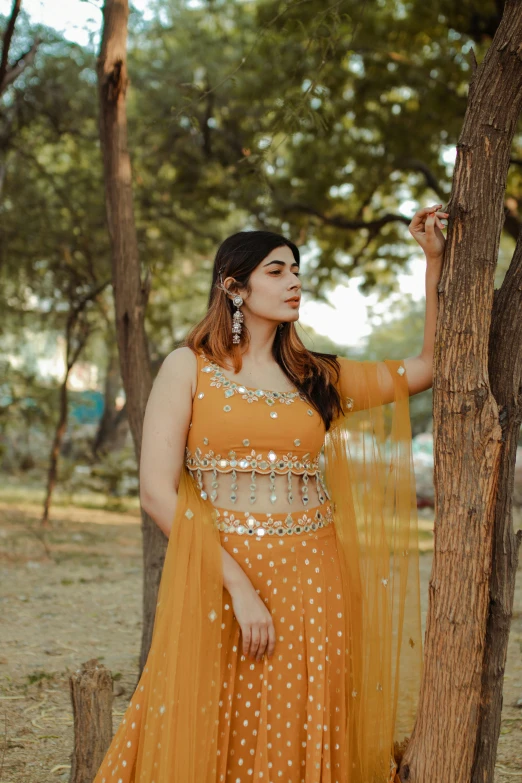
{"type": "Point", "coordinates": [75, 595]}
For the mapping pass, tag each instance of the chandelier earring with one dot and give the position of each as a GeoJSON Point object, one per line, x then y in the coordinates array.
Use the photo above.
{"type": "Point", "coordinates": [237, 320]}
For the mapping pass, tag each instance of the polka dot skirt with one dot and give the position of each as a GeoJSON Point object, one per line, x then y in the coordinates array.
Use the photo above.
{"type": "Point", "coordinates": [281, 720]}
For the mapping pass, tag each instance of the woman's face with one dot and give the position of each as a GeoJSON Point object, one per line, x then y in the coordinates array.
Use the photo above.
{"type": "Point", "coordinates": [275, 289]}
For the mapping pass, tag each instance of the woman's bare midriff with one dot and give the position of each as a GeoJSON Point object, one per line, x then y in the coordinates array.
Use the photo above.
{"type": "Point", "coordinates": [264, 489]}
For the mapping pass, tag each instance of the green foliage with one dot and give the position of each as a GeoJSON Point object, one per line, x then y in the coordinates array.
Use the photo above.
{"type": "Point", "coordinates": [39, 676]}
{"type": "Point", "coordinates": [325, 121]}
{"type": "Point", "coordinates": [27, 413]}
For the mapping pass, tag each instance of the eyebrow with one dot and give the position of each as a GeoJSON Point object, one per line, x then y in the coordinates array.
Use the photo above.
{"type": "Point", "coordinates": [282, 263]}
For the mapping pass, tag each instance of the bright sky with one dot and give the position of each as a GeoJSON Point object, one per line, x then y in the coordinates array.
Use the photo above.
{"type": "Point", "coordinates": [345, 320]}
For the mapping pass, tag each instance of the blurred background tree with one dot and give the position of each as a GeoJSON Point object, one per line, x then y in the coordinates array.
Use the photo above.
{"type": "Point", "coordinates": [330, 123]}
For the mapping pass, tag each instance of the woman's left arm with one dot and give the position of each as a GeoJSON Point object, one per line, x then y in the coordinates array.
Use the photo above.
{"type": "Point", "coordinates": [426, 228]}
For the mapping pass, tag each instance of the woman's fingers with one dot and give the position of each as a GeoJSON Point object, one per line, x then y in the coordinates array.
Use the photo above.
{"type": "Point", "coordinates": [247, 635]}
{"type": "Point", "coordinates": [254, 644]}
{"type": "Point", "coordinates": [429, 224]}
{"type": "Point", "coordinates": [259, 641]}
{"type": "Point", "coordinates": [271, 640]}
{"type": "Point", "coordinates": [426, 218]}
{"type": "Point", "coordinates": [426, 228]}
{"type": "Point", "coordinates": [263, 638]}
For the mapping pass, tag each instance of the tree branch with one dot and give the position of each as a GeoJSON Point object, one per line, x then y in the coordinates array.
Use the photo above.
{"type": "Point", "coordinates": [414, 164]}
{"type": "Point", "coordinates": [341, 222]}
{"type": "Point", "coordinates": [8, 35]}
{"type": "Point", "coordinates": [20, 65]}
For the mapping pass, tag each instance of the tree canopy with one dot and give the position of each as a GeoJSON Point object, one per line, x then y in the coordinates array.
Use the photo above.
{"type": "Point", "coordinates": [327, 122]}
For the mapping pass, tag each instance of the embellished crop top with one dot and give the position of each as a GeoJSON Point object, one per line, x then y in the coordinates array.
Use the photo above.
{"type": "Point", "coordinates": [253, 437]}
{"type": "Point", "coordinates": [236, 429]}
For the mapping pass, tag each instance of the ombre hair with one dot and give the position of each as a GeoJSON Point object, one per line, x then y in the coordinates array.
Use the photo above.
{"type": "Point", "coordinates": [313, 373]}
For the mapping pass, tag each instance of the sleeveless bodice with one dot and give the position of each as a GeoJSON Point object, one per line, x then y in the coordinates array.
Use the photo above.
{"type": "Point", "coordinates": [237, 430]}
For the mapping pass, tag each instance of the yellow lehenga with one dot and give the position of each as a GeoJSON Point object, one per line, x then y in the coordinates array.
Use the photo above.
{"type": "Point", "coordinates": [341, 580]}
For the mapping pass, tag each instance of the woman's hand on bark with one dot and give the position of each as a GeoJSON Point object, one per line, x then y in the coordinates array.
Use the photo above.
{"type": "Point", "coordinates": [426, 228]}
{"type": "Point", "coordinates": [255, 621]}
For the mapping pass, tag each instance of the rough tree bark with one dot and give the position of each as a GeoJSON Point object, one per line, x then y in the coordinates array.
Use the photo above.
{"type": "Point", "coordinates": [460, 691]}
{"type": "Point", "coordinates": [505, 372]}
{"type": "Point", "coordinates": [91, 696]}
{"type": "Point", "coordinates": [130, 293]}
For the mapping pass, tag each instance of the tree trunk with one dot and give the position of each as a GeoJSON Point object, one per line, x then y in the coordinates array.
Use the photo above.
{"type": "Point", "coordinates": [505, 372]}
{"type": "Point", "coordinates": [130, 294]}
{"type": "Point", "coordinates": [71, 357]}
{"type": "Point", "coordinates": [467, 432]}
{"type": "Point", "coordinates": [91, 696]}
{"type": "Point", "coordinates": [113, 425]}
{"type": "Point", "coordinates": [52, 470]}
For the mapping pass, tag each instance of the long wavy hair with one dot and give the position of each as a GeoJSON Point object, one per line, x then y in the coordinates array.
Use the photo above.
{"type": "Point", "coordinates": [313, 373]}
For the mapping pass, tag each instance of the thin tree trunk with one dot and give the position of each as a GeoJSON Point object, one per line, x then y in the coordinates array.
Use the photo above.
{"type": "Point", "coordinates": [505, 372]}
{"type": "Point", "coordinates": [467, 432]}
{"type": "Point", "coordinates": [10, 73]}
{"type": "Point", "coordinates": [113, 424]}
{"type": "Point", "coordinates": [52, 470]}
{"type": "Point", "coordinates": [71, 357]}
{"type": "Point", "coordinates": [130, 293]}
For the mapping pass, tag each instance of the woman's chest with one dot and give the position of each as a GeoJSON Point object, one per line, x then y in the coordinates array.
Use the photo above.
{"type": "Point", "coordinates": [237, 427]}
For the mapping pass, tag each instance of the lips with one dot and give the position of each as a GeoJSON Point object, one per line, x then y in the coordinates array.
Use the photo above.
{"type": "Point", "coordinates": [295, 299]}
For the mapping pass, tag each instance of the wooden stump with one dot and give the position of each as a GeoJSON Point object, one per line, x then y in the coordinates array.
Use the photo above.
{"type": "Point", "coordinates": [91, 695]}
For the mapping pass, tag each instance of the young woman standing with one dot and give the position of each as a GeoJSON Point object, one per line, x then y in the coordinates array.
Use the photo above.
{"type": "Point", "coordinates": [287, 640]}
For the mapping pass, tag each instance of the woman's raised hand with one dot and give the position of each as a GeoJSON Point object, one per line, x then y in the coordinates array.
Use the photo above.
{"type": "Point", "coordinates": [426, 228]}
{"type": "Point", "coordinates": [255, 621]}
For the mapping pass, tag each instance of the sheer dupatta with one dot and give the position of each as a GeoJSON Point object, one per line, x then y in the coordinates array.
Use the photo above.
{"type": "Point", "coordinates": [169, 733]}
{"type": "Point", "coordinates": [369, 474]}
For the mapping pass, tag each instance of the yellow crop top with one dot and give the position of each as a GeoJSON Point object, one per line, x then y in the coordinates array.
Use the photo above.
{"type": "Point", "coordinates": [236, 429]}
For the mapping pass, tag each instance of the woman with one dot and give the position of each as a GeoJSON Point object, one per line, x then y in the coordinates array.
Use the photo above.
{"type": "Point", "coordinates": [287, 640]}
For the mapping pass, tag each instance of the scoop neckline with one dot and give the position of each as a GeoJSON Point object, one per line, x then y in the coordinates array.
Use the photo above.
{"type": "Point", "coordinates": [214, 364]}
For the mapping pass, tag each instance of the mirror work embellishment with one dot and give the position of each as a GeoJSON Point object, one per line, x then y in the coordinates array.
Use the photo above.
{"type": "Point", "coordinates": [219, 380]}
{"type": "Point", "coordinates": [279, 525]}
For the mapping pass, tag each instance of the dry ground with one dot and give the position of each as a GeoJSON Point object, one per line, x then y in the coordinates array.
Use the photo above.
{"type": "Point", "coordinates": [75, 594]}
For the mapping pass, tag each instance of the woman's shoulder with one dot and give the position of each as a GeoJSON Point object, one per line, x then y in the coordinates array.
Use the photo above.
{"type": "Point", "coordinates": [181, 364]}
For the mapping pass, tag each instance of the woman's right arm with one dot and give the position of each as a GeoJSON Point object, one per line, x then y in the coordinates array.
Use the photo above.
{"type": "Point", "coordinates": [165, 429]}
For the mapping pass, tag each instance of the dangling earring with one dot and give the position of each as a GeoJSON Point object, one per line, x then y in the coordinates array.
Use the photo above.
{"type": "Point", "coordinates": [237, 320]}
{"type": "Point", "coordinates": [281, 326]}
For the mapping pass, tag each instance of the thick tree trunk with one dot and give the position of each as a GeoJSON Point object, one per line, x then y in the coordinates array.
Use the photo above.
{"type": "Point", "coordinates": [130, 294]}
{"type": "Point", "coordinates": [505, 372]}
{"type": "Point", "coordinates": [467, 432]}
{"type": "Point", "coordinates": [91, 696]}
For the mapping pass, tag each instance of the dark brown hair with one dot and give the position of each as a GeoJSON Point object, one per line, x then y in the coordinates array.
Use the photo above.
{"type": "Point", "coordinates": [313, 373]}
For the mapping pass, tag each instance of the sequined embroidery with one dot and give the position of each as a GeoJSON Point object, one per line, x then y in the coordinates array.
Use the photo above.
{"type": "Point", "coordinates": [254, 461]}
{"type": "Point", "coordinates": [201, 460]}
{"type": "Point", "coordinates": [219, 380]}
{"type": "Point", "coordinates": [246, 523]}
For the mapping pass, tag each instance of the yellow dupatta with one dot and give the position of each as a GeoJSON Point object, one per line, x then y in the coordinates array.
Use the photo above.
{"type": "Point", "coordinates": [370, 477]}
{"type": "Point", "coordinates": [169, 733]}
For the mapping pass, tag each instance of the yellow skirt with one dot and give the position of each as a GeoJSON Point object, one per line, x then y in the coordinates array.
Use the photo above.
{"type": "Point", "coordinates": [282, 720]}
